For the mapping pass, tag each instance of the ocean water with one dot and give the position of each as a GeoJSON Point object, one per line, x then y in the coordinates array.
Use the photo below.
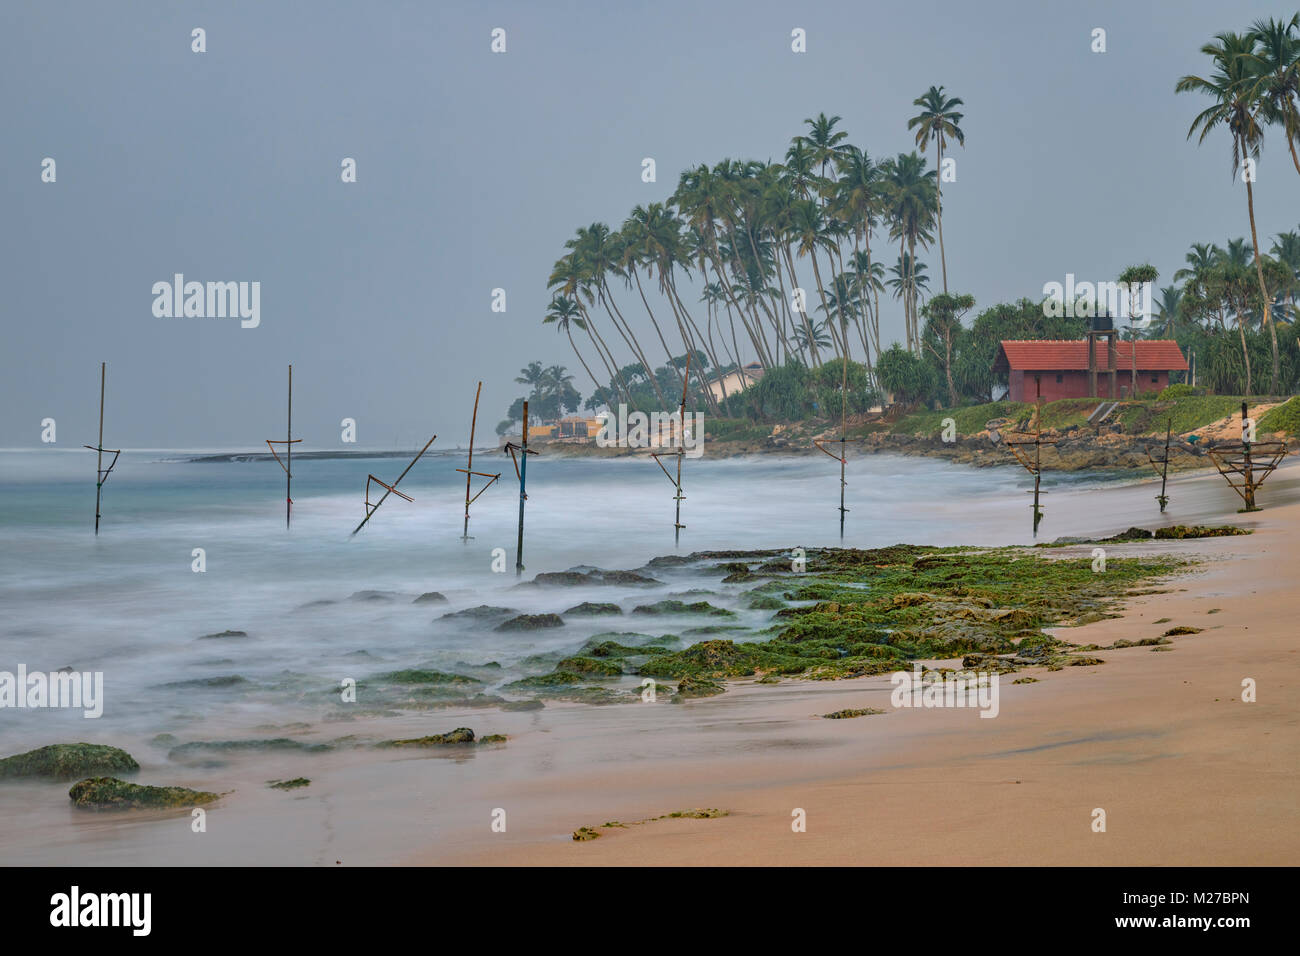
{"type": "Point", "coordinates": [128, 603]}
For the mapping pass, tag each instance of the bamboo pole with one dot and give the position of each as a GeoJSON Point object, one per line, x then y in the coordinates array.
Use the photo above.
{"type": "Point", "coordinates": [523, 496]}
{"type": "Point", "coordinates": [99, 448]}
{"type": "Point", "coordinates": [1164, 471]}
{"type": "Point", "coordinates": [389, 489]}
{"type": "Point", "coordinates": [470, 472]}
{"type": "Point", "coordinates": [288, 467]}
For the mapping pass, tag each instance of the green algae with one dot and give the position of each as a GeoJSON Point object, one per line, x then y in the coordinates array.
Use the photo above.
{"type": "Point", "coordinates": [461, 735]}
{"type": "Point", "coordinates": [522, 705]}
{"type": "Point", "coordinates": [530, 622]}
{"type": "Point", "coordinates": [852, 712]}
{"type": "Point", "coordinates": [670, 606]}
{"type": "Point", "coordinates": [243, 746]}
{"type": "Point", "coordinates": [493, 739]}
{"type": "Point", "coordinates": [293, 784]}
{"type": "Point", "coordinates": [67, 761]}
{"type": "Point", "coordinates": [690, 687]}
{"type": "Point", "coordinates": [591, 666]}
{"type": "Point", "coordinates": [109, 793]}
{"type": "Point", "coordinates": [765, 602]}
{"type": "Point", "coordinates": [554, 679]}
{"type": "Point", "coordinates": [594, 609]}
{"type": "Point", "coordinates": [583, 834]}
{"type": "Point", "coordinates": [419, 676]}
{"type": "Point", "coordinates": [1182, 629]}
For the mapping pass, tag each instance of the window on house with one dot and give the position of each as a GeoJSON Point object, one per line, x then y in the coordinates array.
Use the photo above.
{"type": "Point", "coordinates": [1060, 377]}
{"type": "Point", "coordinates": [1155, 379]}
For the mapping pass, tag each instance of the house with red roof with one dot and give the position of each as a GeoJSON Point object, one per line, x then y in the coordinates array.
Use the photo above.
{"type": "Point", "coordinates": [1061, 367]}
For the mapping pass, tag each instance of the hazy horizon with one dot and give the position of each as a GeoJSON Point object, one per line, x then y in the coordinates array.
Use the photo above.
{"type": "Point", "coordinates": [474, 168]}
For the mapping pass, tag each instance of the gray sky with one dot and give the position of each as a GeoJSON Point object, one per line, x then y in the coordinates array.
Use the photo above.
{"type": "Point", "coordinates": [474, 168]}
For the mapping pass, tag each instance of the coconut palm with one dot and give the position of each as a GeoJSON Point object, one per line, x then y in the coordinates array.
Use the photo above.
{"type": "Point", "coordinates": [909, 202]}
{"type": "Point", "coordinates": [1233, 88]}
{"type": "Point", "coordinates": [1168, 304]}
{"type": "Point", "coordinates": [1276, 64]}
{"type": "Point", "coordinates": [564, 313]}
{"type": "Point", "coordinates": [1286, 250]}
{"type": "Point", "coordinates": [938, 122]}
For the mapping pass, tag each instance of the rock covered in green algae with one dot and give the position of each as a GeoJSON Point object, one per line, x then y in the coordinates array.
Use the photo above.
{"type": "Point", "coordinates": [596, 576]}
{"type": "Point", "coordinates": [555, 679]}
{"type": "Point", "coordinates": [1025, 680]}
{"type": "Point", "coordinates": [484, 612]}
{"type": "Point", "coordinates": [531, 622]}
{"type": "Point", "coordinates": [591, 666]}
{"type": "Point", "coordinates": [109, 793]}
{"type": "Point", "coordinates": [461, 735]}
{"type": "Point", "coordinates": [223, 634]}
{"type": "Point", "coordinates": [704, 813]}
{"type": "Point", "coordinates": [243, 746]}
{"type": "Point", "coordinates": [419, 676]}
{"type": "Point", "coordinates": [594, 609]}
{"type": "Point", "coordinates": [430, 597]}
{"type": "Point", "coordinates": [1180, 531]}
{"type": "Point", "coordinates": [585, 833]}
{"type": "Point", "coordinates": [493, 739]}
{"type": "Point", "coordinates": [293, 784]}
{"type": "Point", "coordinates": [766, 602]}
{"type": "Point", "coordinates": [67, 761]}
{"type": "Point", "coordinates": [851, 712]}
{"type": "Point", "coordinates": [681, 607]}
{"type": "Point", "coordinates": [690, 687]}
{"type": "Point", "coordinates": [1181, 630]}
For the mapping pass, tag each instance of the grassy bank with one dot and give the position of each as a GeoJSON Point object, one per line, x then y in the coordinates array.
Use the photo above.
{"type": "Point", "coordinates": [1149, 417]}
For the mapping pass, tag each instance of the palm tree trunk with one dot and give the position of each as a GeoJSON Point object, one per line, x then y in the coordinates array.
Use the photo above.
{"type": "Point", "coordinates": [807, 326]}
{"type": "Point", "coordinates": [938, 209]}
{"type": "Point", "coordinates": [653, 321]}
{"type": "Point", "coordinates": [630, 338]}
{"type": "Point", "coordinates": [1259, 271]}
{"type": "Point", "coordinates": [574, 346]}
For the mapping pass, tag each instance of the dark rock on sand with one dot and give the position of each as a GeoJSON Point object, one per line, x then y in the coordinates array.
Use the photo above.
{"type": "Point", "coordinates": [461, 735]}
{"type": "Point", "coordinates": [430, 597]}
{"type": "Point", "coordinates": [67, 761]}
{"type": "Point", "coordinates": [293, 784]}
{"type": "Point", "coordinates": [221, 634]}
{"type": "Point", "coordinates": [531, 622]}
{"type": "Point", "coordinates": [484, 613]}
{"type": "Point", "coordinates": [590, 609]}
{"type": "Point", "coordinates": [109, 793]}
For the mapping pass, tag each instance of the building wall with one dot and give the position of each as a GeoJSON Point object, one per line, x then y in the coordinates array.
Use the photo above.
{"type": "Point", "coordinates": [1074, 384]}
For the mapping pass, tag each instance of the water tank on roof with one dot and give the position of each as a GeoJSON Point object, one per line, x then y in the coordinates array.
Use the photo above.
{"type": "Point", "coordinates": [1101, 323]}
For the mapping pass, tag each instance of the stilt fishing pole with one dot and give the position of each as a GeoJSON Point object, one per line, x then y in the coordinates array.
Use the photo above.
{"type": "Point", "coordinates": [678, 497]}
{"type": "Point", "coordinates": [843, 441]}
{"type": "Point", "coordinates": [289, 441]}
{"type": "Point", "coordinates": [101, 473]}
{"type": "Point", "coordinates": [1038, 441]}
{"type": "Point", "coordinates": [389, 489]}
{"type": "Point", "coordinates": [1251, 461]}
{"type": "Point", "coordinates": [521, 472]}
{"type": "Point", "coordinates": [469, 466]}
{"type": "Point", "coordinates": [1161, 465]}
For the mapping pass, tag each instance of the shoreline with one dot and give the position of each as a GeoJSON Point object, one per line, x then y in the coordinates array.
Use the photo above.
{"type": "Point", "coordinates": [938, 783]}
{"type": "Point", "coordinates": [1187, 773]}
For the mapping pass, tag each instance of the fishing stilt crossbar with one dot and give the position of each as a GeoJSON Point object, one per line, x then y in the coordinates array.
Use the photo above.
{"type": "Point", "coordinates": [389, 489]}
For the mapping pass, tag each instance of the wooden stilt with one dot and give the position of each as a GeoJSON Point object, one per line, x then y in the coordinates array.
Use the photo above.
{"type": "Point", "coordinates": [389, 489]}
{"type": "Point", "coordinates": [101, 473]}
{"type": "Point", "coordinates": [1034, 467]}
{"type": "Point", "coordinates": [469, 469]}
{"type": "Point", "coordinates": [521, 472]}
{"type": "Point", "coordinates": [288, 442]}
{"type": "Point", "coordinates": [680, 453]}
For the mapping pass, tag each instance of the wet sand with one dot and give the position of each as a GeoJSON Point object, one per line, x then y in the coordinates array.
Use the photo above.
{"type": "Point", "coordinates": [1186, 772]}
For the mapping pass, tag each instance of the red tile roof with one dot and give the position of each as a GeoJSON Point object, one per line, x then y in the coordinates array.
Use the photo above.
{"type": "Point", "coordinates": [1058, 355]}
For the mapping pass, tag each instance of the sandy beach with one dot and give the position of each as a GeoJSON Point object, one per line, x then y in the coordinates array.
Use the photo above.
{"type": "Point", "coordinates": [1186, 772]}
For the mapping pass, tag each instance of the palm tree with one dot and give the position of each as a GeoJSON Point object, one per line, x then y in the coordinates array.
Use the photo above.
{"type": "Point", "coordinates": [1235, 107]}
{"type": "Point", "coordinates": [1286, 250]}
{"type": "Point", "coordinates": [938, 122]}
{"type": "Point", "coordinates": [909, 195]}
{"type": "Point", "coordinates": [1167, 310]}
{"type": "Point", "coordinates": [564, 312]}
{"type": "Point", "coordinates": [1276, 66]}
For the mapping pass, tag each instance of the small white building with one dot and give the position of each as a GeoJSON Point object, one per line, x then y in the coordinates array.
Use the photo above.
{"type": "Point", "coordinates": [734, 381]}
